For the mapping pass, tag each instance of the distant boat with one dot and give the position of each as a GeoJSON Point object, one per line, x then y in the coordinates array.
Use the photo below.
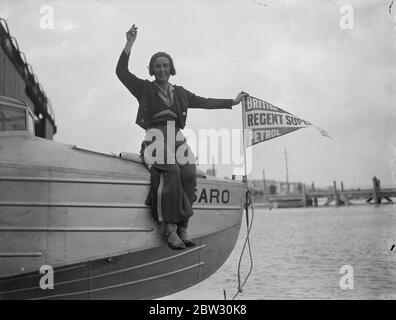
{"type": "Point", "coordinates": [287, 203]}
{"type": "Point", "coordinates": [83, 213]}
{"type": "Point", "coordinates": [282, 200]}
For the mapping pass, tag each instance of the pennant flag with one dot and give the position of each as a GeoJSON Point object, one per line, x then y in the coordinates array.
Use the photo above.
{"type": "Point", "coordinates": [263, 121]}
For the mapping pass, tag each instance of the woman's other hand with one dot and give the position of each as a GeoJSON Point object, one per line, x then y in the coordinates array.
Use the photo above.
{"type": "Point", "coordinates": [241, 95]}
{"type": "Point", "coordinates": [131, 37]}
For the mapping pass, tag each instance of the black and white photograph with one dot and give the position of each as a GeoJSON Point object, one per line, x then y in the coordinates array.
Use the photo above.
{"type": "Point", "coordinates": [197, 150]}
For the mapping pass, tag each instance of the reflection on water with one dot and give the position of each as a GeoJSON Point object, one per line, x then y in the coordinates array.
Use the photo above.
{"type": "Point", "coordinates": [298, 254]}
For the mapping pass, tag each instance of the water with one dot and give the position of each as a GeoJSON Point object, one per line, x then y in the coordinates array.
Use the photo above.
{"type": "Point", "coordinates": [298, 254]}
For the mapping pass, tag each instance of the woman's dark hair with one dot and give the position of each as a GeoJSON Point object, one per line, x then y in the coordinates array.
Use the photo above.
{"type": "Point", "coordinates": [161, 54]}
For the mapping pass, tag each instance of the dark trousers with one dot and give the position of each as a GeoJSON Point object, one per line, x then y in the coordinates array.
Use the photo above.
{"type": "Point", "coordinates": [172, 185]}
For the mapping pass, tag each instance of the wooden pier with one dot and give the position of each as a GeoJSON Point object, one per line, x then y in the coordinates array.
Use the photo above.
{"type": "Point", "coordinates": [337, 196]}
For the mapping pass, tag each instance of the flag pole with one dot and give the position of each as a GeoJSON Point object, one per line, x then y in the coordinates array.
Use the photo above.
{"type": "Point", "coordinates": [249, 201]}
{"type": "Point", "coordinates": [244, 137]}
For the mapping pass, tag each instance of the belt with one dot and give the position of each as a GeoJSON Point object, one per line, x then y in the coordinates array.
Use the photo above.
{"type": "Point", "coordinates": [163, 123]}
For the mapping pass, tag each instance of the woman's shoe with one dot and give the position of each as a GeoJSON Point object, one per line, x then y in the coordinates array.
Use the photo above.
{"type": "Point", "coordinates": [174, 242]}
{"type": "Point", "coordinates": [182, 232]}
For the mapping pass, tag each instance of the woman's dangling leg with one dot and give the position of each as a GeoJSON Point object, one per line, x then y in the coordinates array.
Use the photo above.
{"type": "Point", "coordinates": [165, 197]}
{"type": "Point", "coordinates": [188, 182]}
{"type": "Point", "coordinates": [173, 192]}
{"type": "Point", "coordinates": [167, 202]}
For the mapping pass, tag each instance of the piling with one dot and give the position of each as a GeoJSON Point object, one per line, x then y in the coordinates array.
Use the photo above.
{"type": "Point", "coordinates": [304, 195]}
{"type": "Point", "coordinates": [376, 189]}
{"type": "Point", "coordinates": [336, 195]}
{"type": "Point", "coordinates": [264, 187]}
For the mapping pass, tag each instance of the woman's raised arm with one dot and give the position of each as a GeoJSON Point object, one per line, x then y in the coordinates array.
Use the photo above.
{"type": "Point", "coordinates": [133, 83]}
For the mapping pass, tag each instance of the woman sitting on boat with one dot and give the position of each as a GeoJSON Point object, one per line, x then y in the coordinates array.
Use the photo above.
{"type": "Point", "coordinates": [163, 109]}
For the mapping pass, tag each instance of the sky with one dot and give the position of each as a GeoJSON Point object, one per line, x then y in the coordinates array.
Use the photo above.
{"type": "Point", "coordinates": [329, 62]}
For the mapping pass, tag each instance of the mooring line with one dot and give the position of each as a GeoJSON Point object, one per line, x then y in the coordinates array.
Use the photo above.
{"type": "Point", "coordinates": [249, 202]}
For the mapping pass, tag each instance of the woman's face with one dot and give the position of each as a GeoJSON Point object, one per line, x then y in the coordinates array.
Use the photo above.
{"type": "Point", "coordinates": [161, 69]}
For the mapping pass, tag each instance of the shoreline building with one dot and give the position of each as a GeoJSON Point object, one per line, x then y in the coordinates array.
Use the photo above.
{"type": "Point", "coordinates": [18, 81]}
{"type": "Point", "coordinates": [273, 187]}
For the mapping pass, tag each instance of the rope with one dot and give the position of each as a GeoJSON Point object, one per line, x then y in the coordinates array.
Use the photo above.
{"type": "Point", "coordinates": [249, 201]}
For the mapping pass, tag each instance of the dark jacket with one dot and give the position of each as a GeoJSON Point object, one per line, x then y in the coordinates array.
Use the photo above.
{"type": "Point", "coordinates": [145, 93]}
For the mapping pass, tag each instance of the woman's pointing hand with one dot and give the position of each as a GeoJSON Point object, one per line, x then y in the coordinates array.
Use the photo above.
{"type": "Point", "coordinates": [241, 95]}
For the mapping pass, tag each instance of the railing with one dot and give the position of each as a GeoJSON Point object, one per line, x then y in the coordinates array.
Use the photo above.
{"type": "Point", "coordinates": [11, 47]}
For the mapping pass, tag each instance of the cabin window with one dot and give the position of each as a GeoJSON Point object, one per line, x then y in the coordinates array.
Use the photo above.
{"type": "Point", "coordinates": [12, 119]}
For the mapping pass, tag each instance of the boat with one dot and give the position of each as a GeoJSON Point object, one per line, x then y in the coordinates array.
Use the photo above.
{"type": "Point", "coordinates": [79, 218]}
{"type": "Point", "coordinates": [289, 202]}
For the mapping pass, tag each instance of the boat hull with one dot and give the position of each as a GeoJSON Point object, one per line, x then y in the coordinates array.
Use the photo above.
{"type": "Point", "coordinates": [145, 274]}
{"type": "Point", "coordinates": [83, 214]}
